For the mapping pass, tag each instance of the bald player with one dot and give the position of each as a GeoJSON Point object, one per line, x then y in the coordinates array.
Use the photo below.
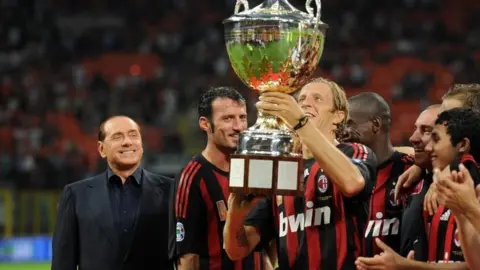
{"type": "Point", "coordinates": [373, 124]}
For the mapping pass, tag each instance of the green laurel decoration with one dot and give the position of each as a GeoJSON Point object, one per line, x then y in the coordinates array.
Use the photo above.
{"type": "Point", "coordinates": [251, 59]}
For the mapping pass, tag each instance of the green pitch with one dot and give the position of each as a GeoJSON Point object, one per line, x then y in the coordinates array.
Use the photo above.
{"type": "Point", "coordinates": [24, 266]}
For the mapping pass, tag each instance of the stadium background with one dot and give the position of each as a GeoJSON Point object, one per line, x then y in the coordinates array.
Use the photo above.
{"type": "Point", "coordinates": [66, 65]}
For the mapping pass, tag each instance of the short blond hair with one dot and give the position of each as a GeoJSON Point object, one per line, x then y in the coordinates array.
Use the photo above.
{"type": "Point", "coordinates": [468, 94]}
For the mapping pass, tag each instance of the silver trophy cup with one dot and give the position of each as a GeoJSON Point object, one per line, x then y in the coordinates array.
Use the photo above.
{"type": "Point", "coordinates": [272, 47]}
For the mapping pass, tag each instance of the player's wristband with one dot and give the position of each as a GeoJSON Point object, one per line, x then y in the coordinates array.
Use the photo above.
{"type": "Point", "coordinates": [301, 122]}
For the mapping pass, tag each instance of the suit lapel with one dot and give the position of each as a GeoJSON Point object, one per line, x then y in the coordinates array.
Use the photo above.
{"type": "Point", "coordinates": [150, 201]}
{"type": "Point", "coordinates": [99, 202]}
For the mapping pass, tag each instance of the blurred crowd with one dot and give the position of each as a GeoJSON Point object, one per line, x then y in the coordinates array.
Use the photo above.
{"type": "Point", "coordinates": [43, 46]}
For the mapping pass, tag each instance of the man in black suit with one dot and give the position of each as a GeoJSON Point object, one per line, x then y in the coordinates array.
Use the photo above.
{"type": "Point", "coordinates": [118, 219]}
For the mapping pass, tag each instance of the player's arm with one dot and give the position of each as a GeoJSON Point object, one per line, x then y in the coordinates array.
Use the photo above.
{"type": "Point", "coordinates": [473, 218]}
{"type": "Point", "coordinates": [469, 241]}
{"type": "Point", "coordinates": [272, 253]}
{"type": "Point", "coordinates": [241, 235]}
{"type": "Point", "coordinates": [405, 149]}
{"type": "Point", "coordinates": [185, 231]}
{"type": "Point", "coordinates": [468, 222]}
{"type": "Point", "coordinates": [389, 259]}
{"type": "Point", "coordinates": [334, 163]}
{"type": "Point", "coordinates": [189, 261]}
{"type": "Point", "coordinates": [408, 179]}
{"type": "Point", "coordinates": [65, 237]}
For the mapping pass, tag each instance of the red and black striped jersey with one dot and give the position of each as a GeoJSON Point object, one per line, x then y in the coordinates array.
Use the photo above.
{"type": "Point", "coordinates": [385, 215]}
{"type": "Point", "coordinates": [197, 216]}
{"type": "Point", "coordinates": [443, 239]}
{"type": "Point", "coordinates": [322, 229]}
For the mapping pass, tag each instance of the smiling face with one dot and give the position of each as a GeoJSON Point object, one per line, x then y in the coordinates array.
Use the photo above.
{"type": "Point", "coordinates": [442, 151]}
{"type": "Point", "coordinates": [228, 120]}
{"type": "Point", "coordinates": [317, 101]}
{"type": "Point", "coordinates": [122, 143]}
{"type": "Point", "coordinates": [422, 136]}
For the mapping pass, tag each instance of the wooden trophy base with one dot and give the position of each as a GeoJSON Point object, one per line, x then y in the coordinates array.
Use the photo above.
{"type": "Point", "coordinates": [266, 175]}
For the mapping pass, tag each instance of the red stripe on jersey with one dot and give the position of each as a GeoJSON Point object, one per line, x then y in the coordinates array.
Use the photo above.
{"type": "Point", "coordinates": [257, 260]}
{"type": "Point", "coordinates": [184, 177]}
{"type": "Point", "coordinates": [433, 235]}
{"type": "Point", "coordinates": [449, 237]}
{"type": "Point", "coordinates": [355, 150]}
{"type": "Point", "coordinates": [378, 202]}
{"type": "Point", "coordinates": [340, 228]}
{"type": "Point", "coordinates": [365, 152]}
{"type": "Point", "coordinates": [311, 183]}
{"type": "Point", "coordinates": [186, 189]}
{"type": "Point", "coordinates": [214, 248]}
{"type": "Point", "coordinates": [312, 233]}
{"type": "Point", "coordinates": [313, 246]}
{"type": "Point", "coordinates": [292, 243]}
{"type": "Point", "coordinates": [223, 183]}
{"type": "Point", "coordinates": [180, 183]}
{"type": "Point", "coordinates": [238, 265]}
{"type": "Point", "coordinates": [359, 151]}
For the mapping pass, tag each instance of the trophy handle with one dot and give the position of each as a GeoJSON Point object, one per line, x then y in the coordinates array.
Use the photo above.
{"type": "Point", "coordinates": [239, 4]}
{"type": "Point", "coordinates": [318, 4]}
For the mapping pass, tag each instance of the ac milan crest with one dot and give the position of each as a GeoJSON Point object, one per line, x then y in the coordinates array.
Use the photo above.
{"type": "Point", "coordinates": [456, 238]}
{"type": "Point", "coordinates": [322, 183]}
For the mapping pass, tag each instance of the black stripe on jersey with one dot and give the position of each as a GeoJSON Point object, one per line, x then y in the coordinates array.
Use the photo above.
{"type": "Point", "coordinates": [282, 242]}
{"type": "Point", "coordinates": [302, 257]}
{"type": "Point", "coordinates": [216, 193]}
{"type": "Point", "coordinates": [327, 239]}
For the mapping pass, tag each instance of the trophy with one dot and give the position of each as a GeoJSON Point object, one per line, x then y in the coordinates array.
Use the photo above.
{"type": "Point", "coordinates": [272, 47]}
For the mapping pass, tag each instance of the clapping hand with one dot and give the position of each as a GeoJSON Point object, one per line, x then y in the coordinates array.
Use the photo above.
{"type": "Point", "coordinates": [456, 190]}
{"type": "Point", "coordinates": [387, 260]}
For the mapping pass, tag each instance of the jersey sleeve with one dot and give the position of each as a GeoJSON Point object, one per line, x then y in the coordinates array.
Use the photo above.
{"type": "Point", "coordinates": [186, 213]}
{"type": "Point", "coordinates": [262, 218]}
{"type": "Point", "coordinates": [408, 161]}
{"type": "Point", "coordinates": [366, 162]}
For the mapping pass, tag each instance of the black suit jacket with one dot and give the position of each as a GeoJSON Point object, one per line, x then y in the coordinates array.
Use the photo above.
{"type": "Point", "coordinates": [85, 234]}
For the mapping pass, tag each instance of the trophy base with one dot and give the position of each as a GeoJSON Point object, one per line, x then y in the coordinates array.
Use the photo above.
{"type": "Point", "coordinates": [265, 162]}
{"type": "Point", "coordinates": [266, 175]}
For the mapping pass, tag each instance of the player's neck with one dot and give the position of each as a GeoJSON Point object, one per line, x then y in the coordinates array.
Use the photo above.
{"type": "Point", "coordinates": [217, 157]}
{"type": "Point", "coordinates": [383, 149]}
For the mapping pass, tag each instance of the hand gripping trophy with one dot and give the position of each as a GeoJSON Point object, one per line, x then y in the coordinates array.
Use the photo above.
{"type": "Point", "coordinates": [272, 47]}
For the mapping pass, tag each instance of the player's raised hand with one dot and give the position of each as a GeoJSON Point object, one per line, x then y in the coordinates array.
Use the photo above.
{"type": "Point", "coordinates": [456, 191]}
{"type": "Point", "coordinates": [406, 181]}
{"type": "Point", "coordinates": [282, 105]}
{"type": "Point", "coordinates": [387, 260]}
{"type": "Point", "coordinates": [430, 202]}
